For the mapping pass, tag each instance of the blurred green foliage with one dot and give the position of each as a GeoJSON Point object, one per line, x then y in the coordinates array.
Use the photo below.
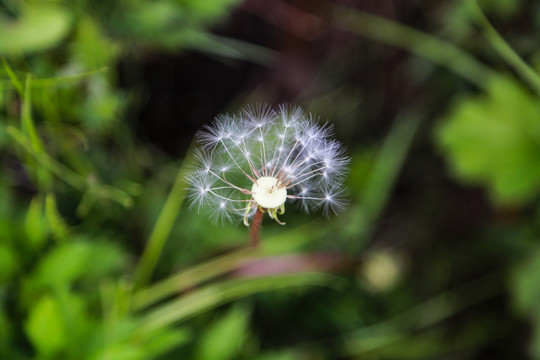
{"type": "Point", "coordinates": [36, 27]}
{"type": "Point", "coordinates": [493, 140]}
{"type": "Point", "coordinates": [87, 208]}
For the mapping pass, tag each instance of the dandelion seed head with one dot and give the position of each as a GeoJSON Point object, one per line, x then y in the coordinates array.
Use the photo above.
{"type": "Point", "coordinates": [263, 158]}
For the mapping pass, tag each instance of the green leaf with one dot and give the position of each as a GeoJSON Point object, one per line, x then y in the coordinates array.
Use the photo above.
{"type": "Point", "coordinates": [91, 46]}
{"type": "Point", "coordinates": [493, 140]}
{"type": "Point", "coordinates": [40, 26]}
{"type": "Point", "coordinates": [79, 260]}
{"type": "Point", "coordinates": [122, 351]}
{"type": "Point", "coordinates": [223, 338]}
{"type": "Point", "coordinates": [163, 341]}
{"type": "Point", "coordinates": [45, 327]}
{"type": "Point", "coordinates": [36, 226]}
{"type": "Point", "coordinates": [102, 105]}
{"type": "Point", "coordinates": [169, 23]}
{"type": "Point", "coordinates": [58, 226]}
{"type": "Point", "coordinates": [525, 280]}
{"type": "Point", "coordinates": [122, 341]}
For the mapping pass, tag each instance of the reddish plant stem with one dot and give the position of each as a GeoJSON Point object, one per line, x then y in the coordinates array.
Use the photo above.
{"type": "Point", "coordinates": [255, 227]}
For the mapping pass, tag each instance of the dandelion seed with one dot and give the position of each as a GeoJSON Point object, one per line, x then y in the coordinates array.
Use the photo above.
{"type": "Point", "coordinates": [262, 158]}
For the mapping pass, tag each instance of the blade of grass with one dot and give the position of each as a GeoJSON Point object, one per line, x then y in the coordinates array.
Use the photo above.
{"type": "Point", "coordinates": [13, 78]}
{"type": "Point", "coordinates": [48, 82]}
{"type": "Point", "coordinates": [46, 161]}
{"type": "Point", "coordinates": [437, 343]}
{"type": "Point", "coordinates": [163, 226]}
{"type": "Point", "coordinates": [191, 277]}
{"type": "Point", "coordinates": [28, 127]}
{"type": "Point", "coordinates": [62, 80]}
{"type": "Point", "coordinates": [424, 315]}
{"type": "Point", "coordinates": [388, 164]}
{"type": "Point", "coordinates": [27, 123]}
{"type": "Point", "coordinates": [66, 174]}
{"type": "Point", "coordinates": [424, 45]}
{"type": "Point", "coordinates": [297, 237]}
{"type": "Point", "coordinates": [237, 49]}
{"type": "Point", "coordinates": [502, 47]}
{"type": "Point", "coordinates": [214, 295]}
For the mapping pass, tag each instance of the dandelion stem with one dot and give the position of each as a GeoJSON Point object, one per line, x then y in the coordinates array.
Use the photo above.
{"type": "Point", "coordinates": [255, 227]}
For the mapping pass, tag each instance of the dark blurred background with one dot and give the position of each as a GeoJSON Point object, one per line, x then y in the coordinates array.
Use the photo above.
{"type": "Point", "coordinates": [437, 255]}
